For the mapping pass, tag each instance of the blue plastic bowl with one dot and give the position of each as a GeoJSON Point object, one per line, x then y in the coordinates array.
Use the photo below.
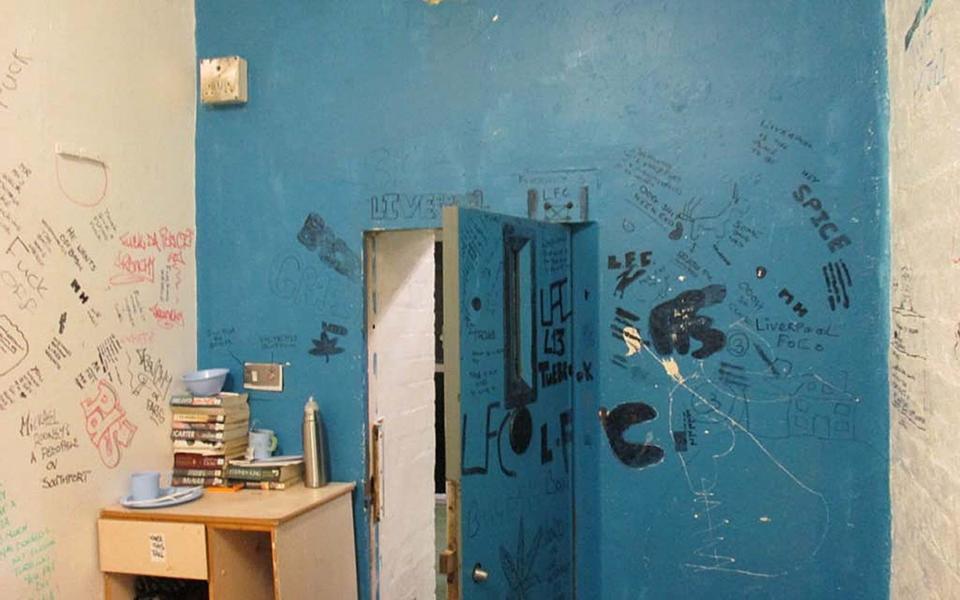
{"type": "Point", "coordinates": [207, 382]}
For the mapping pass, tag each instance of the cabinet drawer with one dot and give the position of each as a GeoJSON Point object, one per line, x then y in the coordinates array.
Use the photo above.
{"type": "Point", "coordinates": [153, 548]}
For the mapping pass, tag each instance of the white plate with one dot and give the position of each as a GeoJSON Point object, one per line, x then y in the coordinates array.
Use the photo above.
{"type": "Point", "coordinates": [168, 497]}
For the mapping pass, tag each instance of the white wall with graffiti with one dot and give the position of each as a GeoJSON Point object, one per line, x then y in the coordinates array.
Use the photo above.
{"type": "Point", "coordinates": [925, 320]}
{"type": "Point", "coordinates": [97, 270]}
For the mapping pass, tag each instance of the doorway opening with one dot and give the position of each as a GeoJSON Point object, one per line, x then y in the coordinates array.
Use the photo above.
{"type": "Point", "coordinates": [512, 362]}
{"type": "Point", "coordinates": [404, 321]}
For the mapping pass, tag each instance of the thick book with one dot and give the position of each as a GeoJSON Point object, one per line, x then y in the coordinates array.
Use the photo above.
{"type": "Point", "coordinates": [197, 417]}
{"type": "Point", "coordinates": [272, 485]}
{"type": "Point", "coordinates": [215, 472]}
{"type": "Point", "coordinates": [206, 414]}
{"type": "Point", "coordinates": [194, 460]}
{"type": "Point", "coordinates": [222, 400]}
{"type": "Point", "coordinates": [208, 436]}
{"type": "Point", "coordinates": [264, 473]}
{"type": "Point", "coordinates": [215, 425]}
{"type": "Point", "coordinates": [204, 481]}
{"type": "Point", "coordinates": [233, 447]}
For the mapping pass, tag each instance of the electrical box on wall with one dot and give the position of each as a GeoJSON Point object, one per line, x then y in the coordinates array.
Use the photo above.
{"type": "Point", "coordinates": [267, 377]}
{"type": "Point", "coordinates": [223, 80]}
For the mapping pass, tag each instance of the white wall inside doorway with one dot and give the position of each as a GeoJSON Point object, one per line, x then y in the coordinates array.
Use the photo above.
{"type": "Point", "coordinates": [400, 345]}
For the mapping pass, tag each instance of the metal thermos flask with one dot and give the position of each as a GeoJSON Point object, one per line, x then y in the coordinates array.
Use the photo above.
{"type": "Point", "coordinates": [314, 465]}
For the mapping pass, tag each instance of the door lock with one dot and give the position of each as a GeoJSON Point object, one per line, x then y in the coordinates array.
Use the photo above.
{"type": "Point", "coordinates": [479, 575]}
{"type": "Point", "coordinates": [447, 563]}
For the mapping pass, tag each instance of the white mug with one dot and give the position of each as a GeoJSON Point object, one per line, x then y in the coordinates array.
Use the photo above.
{"type": "Point", "coordinates": [261, 444]}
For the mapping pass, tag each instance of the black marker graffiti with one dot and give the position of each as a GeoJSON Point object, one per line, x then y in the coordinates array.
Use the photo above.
{"type": "Point", "coordinates": [837, 278]}
{"type": "Point", "coordinates": [397, 206]}
{"type": "Point", "coordinates": [772, 140]}
{"type": "Point", "coordinates": [557, 204]}
{"type": "Point", "coordinates": [821, 221]}
{"type": "Point", "coordinates": [477, 470]}
{"type": "Point", "coordinates": [722, 256]}
{"type": "Point", "coordinates": [586, 372]}
{"type": "Point", "coordinates": [677, 232]}
{"type": "Point", "coordinates": [546, 454]}
{"type": "Point", "coordinates": [326, 346]}
{"type": "Point", "coordinates": [489, 434]}
{"type": "Point", "coordinates": [75, 286]}
{"type": "Point", "coordinates": [519, 427]}
{"type": "Point", "coordinates": [616, 423]}
{"type": "Point", "coordinates": [554, 373]}
{"type": "Point", "coordinates": [556, 311]}
{"type": "Point", "coordinates": [559, 196]}
{"type": "Point", "coordinates": [630, 270]}
{"type": "Point", "coordinates": [798, 308]}
{"type": "Point", "coordinates": [674, 322]}
{"type": "Point", "coordinates": [518, 565]}
{"type": "Point", "coordinates": [14, 347]}
{"type": "Point", "coordinates": [734, 377]}
{"type": "Point", "coordinates": [521, 430]}
{"type": "Point", "coordinates": [771, 364]}
{"type": "Point", "coordinates": [566, 438]}
{"type": "Point", "coordinates": [624, 329]}
{"type": "Point", "coordinates": [553, 341]}
{"type": "Point", "coordinates": [317, 236]}
{"type": "Point", "coordinates": [697, 224]}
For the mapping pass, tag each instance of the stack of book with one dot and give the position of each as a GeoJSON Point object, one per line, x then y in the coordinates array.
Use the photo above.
{"type": "Point", "coordinates": [275, 473]}
{"type": "Point", "coordinates": [207, 432]}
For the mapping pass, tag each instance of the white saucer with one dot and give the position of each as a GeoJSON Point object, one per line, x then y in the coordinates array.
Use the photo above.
{"type": "Point", "coordinates": [168, 497]}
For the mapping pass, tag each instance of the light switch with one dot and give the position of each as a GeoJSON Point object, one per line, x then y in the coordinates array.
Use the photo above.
{"type": "Point", "coordinates": [266, 377]}
{"type": "Point", "coordinates": [223, 80]}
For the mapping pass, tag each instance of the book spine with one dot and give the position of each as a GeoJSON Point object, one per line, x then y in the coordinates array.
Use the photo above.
{"type": "Point", "coordinates": [205, 436]}
{"type": "Point", "coordinates": [196, 401]}
{"type": "Point", "coordinates": [268, 485]}
{"type": "Point", "coordinates": [205, 481]}
{"type": "Point", "coordinates": [253, 474]}
{"type": "Point", "coordinates": [196, 461]}
{"type": "Point", "coordinates": [215, 401]}
{"type": "Point", "coordinates": [187, 445]}
{"type": "Point", "coordinates": [196, 419]}
{"type": "Point", "coordinates": [201, 426]}
{"type": "Point", "coordinates": [218, 472]}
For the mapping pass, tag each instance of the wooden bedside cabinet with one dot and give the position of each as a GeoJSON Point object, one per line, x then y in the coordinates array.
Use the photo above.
{"type": "Point", "coordinates": [292, 544]}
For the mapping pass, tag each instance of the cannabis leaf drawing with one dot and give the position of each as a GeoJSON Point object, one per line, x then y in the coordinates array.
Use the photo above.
{"type": "Point", "coordinates": [518, 567]}
{"type": "Point", "coordinates": [326, 346]}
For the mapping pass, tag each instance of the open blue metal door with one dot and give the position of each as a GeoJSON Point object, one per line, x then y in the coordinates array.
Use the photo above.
{"type": "Point", "coordinates": [509, 375]}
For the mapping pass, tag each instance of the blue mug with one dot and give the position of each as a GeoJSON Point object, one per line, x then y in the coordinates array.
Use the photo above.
{"type": "Point", "coordinates": [261, 444]}
{"type": "Point", "coordinates": [145, 485]}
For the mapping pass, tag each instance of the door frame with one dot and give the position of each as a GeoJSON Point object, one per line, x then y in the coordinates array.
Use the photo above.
{"type": "Point", "coordinates": [375, 427]}
{"type": "Point", "coordinates": [451, 560]}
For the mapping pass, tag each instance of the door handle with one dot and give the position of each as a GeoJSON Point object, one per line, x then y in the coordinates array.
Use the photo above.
{"type": "Point", "coordinates": [479, 575]}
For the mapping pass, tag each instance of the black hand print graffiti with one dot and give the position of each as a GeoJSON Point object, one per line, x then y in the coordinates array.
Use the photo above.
{"type": "Point", "coordinates": [674, 322]}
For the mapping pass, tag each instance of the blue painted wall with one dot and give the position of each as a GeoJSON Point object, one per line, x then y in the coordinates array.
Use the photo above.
{"type": "Point", "coordinates": [694, 126]}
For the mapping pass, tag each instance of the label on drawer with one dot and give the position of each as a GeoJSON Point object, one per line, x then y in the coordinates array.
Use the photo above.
{"type": "Point", "coordinates": [158, 548]}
